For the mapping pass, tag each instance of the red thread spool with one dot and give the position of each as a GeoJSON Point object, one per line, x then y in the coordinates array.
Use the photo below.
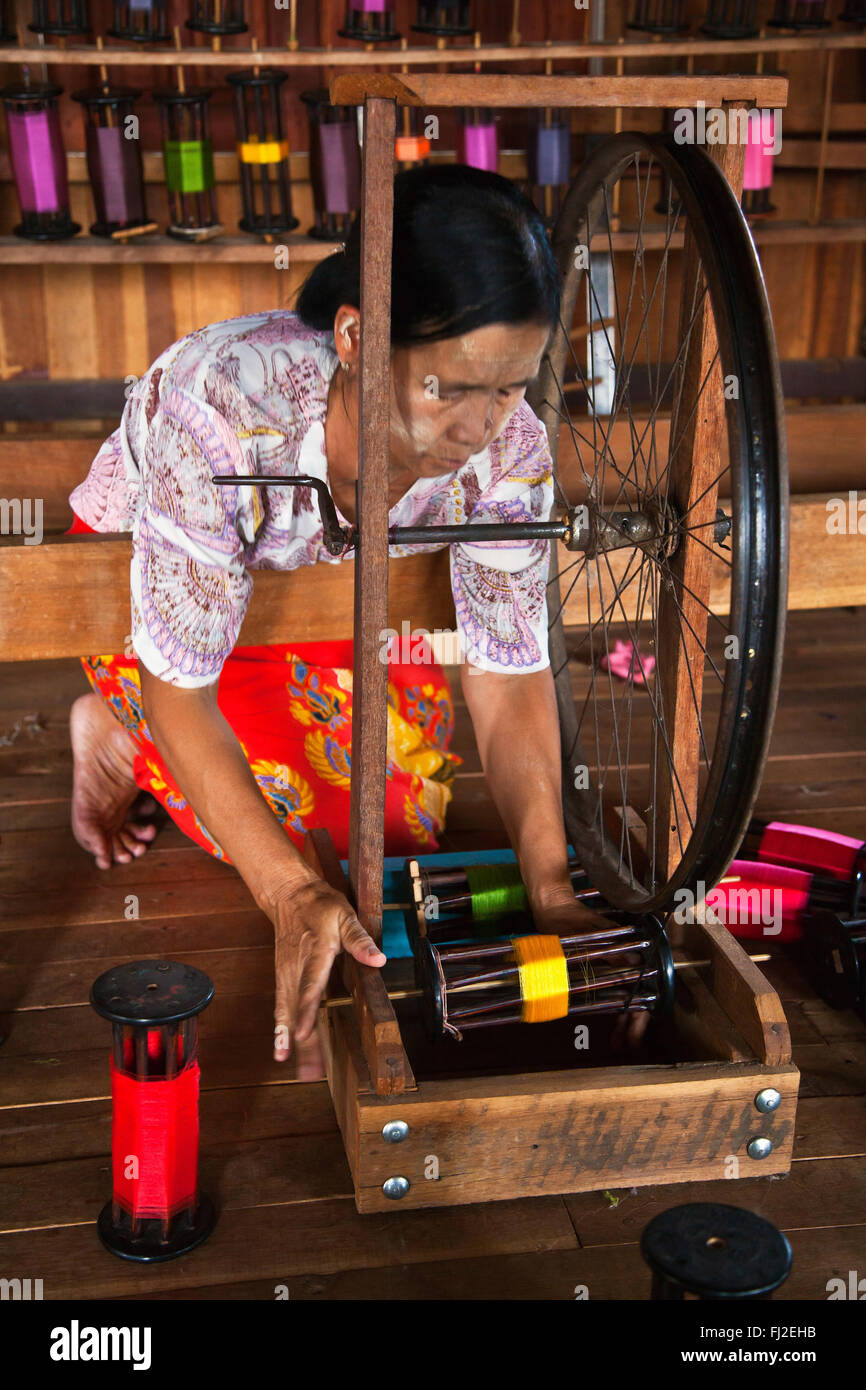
{"type": "Point", "coordinates": [805, 847]}
{"type": "Point", "coordinates": [749, 891]}
{"type": "Point", "coordinates": [156, 1211]}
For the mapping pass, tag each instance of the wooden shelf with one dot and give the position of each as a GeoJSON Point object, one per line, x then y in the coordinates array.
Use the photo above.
{"type": "Point", "coordinates": [154, 250]}
{"type": "Point", "coordinates": [84, 55]}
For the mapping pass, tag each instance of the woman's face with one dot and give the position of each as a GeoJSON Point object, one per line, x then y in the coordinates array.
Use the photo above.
{"type": "Point", "coordinates": [451, 398]}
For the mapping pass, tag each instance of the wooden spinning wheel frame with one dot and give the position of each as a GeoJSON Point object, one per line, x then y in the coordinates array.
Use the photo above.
{"type": "Point", "coordinates": [724, 329]}
{"type": "Point", "coordinates": [614, 872]}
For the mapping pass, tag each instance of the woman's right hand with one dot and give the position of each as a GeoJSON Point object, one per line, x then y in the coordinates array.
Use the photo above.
{"type": "Point", "coordinates": [312, 923]}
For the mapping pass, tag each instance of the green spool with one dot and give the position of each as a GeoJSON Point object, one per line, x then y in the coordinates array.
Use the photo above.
{"type": "Point", "coordinates": [188, 166]}
{"type": "Point", "coordinates": [496, 888]}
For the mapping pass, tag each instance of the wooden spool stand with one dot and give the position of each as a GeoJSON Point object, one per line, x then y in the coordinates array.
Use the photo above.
{"type": "Point", "coordinates": [548, 1131]}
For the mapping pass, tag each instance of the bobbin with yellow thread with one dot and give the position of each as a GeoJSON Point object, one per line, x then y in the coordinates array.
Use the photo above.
{"type": "Point", "coordinates": [263, 151]}
{"type": "Point", "coordinates": [256, 151]}
{"type": "Point", "coordinates": [625, 966]}
{"type": "Point", "coordinates": [543, 972]}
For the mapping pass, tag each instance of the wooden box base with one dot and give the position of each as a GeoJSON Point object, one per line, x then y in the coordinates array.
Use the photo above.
{"type": "Point", "coordinates": [490, 1137]}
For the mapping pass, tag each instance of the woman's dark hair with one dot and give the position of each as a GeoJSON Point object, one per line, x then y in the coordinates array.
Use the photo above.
{"type": "Point", "coordinates": [469, 249]}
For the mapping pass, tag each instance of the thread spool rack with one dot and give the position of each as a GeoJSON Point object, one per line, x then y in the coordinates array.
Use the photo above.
{"type": "Point", "coordinates": [144, 46]}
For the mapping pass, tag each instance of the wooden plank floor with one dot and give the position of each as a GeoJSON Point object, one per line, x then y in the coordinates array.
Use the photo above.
{"type": "Point", "coordinates": [271, 1153]}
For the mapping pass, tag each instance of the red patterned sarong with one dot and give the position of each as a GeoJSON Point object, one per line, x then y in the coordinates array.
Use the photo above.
{"type": "Point", "coordinates": [290, 707]}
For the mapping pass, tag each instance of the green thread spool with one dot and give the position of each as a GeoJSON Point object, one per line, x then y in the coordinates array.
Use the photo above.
{"type": "Point", "coordinates": [188, 166]}
{"type": "Point", "coordinates": [495, 888]}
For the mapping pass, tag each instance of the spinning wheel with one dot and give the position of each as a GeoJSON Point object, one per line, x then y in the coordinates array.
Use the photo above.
{"type": "Point", "coordinates": [662, 389]}
{"type": "Point", "coordinates": [663, 405]}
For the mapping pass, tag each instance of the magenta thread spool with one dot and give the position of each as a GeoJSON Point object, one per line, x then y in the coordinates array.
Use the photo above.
{"type": "Point", "coordinates": [758, 171]}
{"type": "Point", "coordinates": [730, 19]}
{"type": "Point", "coordinates": [443, 17]}
{"type": "Point", "coordinates": [799, 15]}
{"type": "Point", "coordinates": [371, 21]}
{"type": "Point", "coordinates": [38, 161]}
{"type": "Point", "coordinates": [188, 155]}
{"type": "Point", "coordinates": [659, 17]}
{"type": "Point", "coordinates": [335, 165]}
{"type": "Point", "coordinates": [548, 159]}
{"type": "Point", "coordinates": [139, 21]}
{"type": "Point", "coordinates": [113, 161]}
{"type": "Point", "coordinates": [217, 17]}
{"type": "Point", "coordinates": [263, 152]}
{"type": "Point", "coordinates": [479, 141]}
{"type": "Point", "coordinates": [59, 18]}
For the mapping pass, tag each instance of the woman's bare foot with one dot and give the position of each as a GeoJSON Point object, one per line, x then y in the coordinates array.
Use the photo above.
{"type": "Point", "coordinates": [103, 786]}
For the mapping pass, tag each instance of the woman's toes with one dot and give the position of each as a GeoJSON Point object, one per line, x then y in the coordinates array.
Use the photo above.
{"type": "Point", "coordinates": [121, 853]}
{"type": "Point", "coordinates": [140, 830]}
{"type": "Point", "coordinates": [130, 843]}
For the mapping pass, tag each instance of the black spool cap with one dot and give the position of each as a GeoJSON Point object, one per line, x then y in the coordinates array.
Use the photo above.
{"type": "Point", "coordinates": [37, 91]}
{"type": "Point", "coordinates": [715, 1251]}
{"type": "Point", "coordinates": [265, 77]}
{"type": "Point", "coordinates": [172, 96]}
{"type": "Point", "coordinates": [105, 96]}
{"type": "Point", "coordinates": [148, 993]}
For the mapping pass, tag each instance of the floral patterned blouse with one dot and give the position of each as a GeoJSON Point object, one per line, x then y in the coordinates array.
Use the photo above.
{"type": "Point", "coordinates": [249, 396]}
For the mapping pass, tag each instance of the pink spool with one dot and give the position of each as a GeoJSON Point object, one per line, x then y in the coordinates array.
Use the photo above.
{"type": "Point", "coordinates": [758, 173]}
{"type": "Point", "coordinates": [481, 146]}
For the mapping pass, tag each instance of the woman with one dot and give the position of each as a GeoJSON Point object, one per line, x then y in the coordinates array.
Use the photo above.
{"type": "Point", "coordinates": [475, 296]}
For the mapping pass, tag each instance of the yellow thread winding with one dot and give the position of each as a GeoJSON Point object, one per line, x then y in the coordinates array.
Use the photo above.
{"type": "Point", "coordinates": [543, 977]}
{"type": "Point", "coordinates": [257, 151]}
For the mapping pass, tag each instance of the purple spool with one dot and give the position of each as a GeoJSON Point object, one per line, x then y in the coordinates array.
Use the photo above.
{"type": "Point", "coordinates": [113, 161]}
{"type": "Point", "coordinates": [549, 156]}
{"type": "Point", "coordinates": [335, 164]}
{"type": "Point", "coordinates": [341, 167]}
{"type": "Point", "coordinates": [115, 173]}
{"type": "Point", "coordinates": [480, 145]}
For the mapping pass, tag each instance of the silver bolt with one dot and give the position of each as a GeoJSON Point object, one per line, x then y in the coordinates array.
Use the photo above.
{"type": "Point", "coordinates": [395, 1187]}
{"type": "Point", "coordinates": [759, 1148]}
{"type": "Point", "coordinates": [767, 1100]}
{"type": "Point", "coordinates": [395, 1131]}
